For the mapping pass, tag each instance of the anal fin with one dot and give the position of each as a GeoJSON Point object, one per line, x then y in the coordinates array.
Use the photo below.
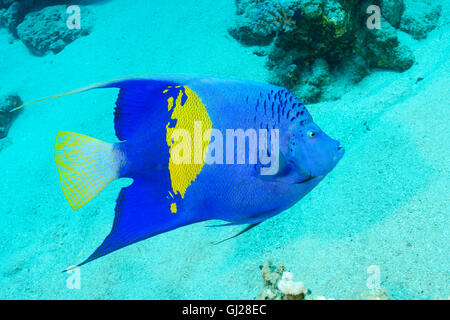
{"type": "Point", "coordinates": [142, 211]}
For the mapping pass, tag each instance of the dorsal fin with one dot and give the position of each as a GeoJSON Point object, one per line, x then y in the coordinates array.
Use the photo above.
{"type": "Point", "coordinates": [79, 90]}
{"type": "Point", "coordinates": [139, 101]}
{"type": "Point", "coordinates": [139, 98]}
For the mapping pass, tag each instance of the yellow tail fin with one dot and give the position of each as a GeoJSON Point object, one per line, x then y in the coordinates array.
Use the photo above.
{"type": "Point", "coordinates": [86, 166]}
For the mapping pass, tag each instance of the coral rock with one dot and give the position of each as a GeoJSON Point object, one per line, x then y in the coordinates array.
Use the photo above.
{"type": "Point", "coordinates": [316, 79]}
{"type": "Point", "coordinates": [259, 21]}
{"type": "Point", "coordinates": [356, 68]}
{"type": "Point", "coordinates": [325, 33]}
{"type": "Point", "coordinates": [46, 30]}
{"type": "Point", "coordinates": [392, 11]}
{"type": "Point", "coordinates": [246, 35]}
{"type": "Point", "coordinates": [10, 16]}
{"type": "Point", "coordinates": [385, 51]}
{"type": "Point", "coordinates": [420, 17]}
{"type": "Point", "coordinates": [7, 103]}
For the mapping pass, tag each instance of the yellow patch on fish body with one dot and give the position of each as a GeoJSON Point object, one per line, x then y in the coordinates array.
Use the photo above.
{"type": "Point", "coordinates": [194, 125]}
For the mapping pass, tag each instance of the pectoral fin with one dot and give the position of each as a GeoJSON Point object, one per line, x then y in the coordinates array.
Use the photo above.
{"type": "Point", "coordinates": [286, 171]}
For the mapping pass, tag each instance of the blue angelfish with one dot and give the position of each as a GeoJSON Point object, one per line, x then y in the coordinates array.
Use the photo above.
{"type": "Point", "coordinates": [181, 143]}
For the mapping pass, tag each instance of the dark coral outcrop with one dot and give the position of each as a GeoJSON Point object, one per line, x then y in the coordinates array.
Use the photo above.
{"type": "Point", "coordinates": [314, 43]}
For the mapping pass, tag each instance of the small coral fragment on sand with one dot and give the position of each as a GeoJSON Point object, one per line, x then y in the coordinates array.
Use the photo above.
{"type": "Point", "coordinates": [293, 290]}
{"type": "Point", "coordinates": [280, 285]}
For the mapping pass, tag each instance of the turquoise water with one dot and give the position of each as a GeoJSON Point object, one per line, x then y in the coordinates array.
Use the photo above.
{"type": "Point", "coordinates": [386, 204]}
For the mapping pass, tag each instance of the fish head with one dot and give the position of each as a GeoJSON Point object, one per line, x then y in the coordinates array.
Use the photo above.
{"type": "Point", "coordinates": [311, 151]}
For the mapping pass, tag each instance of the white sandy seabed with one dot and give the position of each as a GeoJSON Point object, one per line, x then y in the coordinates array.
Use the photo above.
{"type": "Point", "coordinates": [385, 204]}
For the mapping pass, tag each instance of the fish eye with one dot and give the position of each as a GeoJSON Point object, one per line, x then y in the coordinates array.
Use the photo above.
{"type": "Point", "coordinates": [311, 134]}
